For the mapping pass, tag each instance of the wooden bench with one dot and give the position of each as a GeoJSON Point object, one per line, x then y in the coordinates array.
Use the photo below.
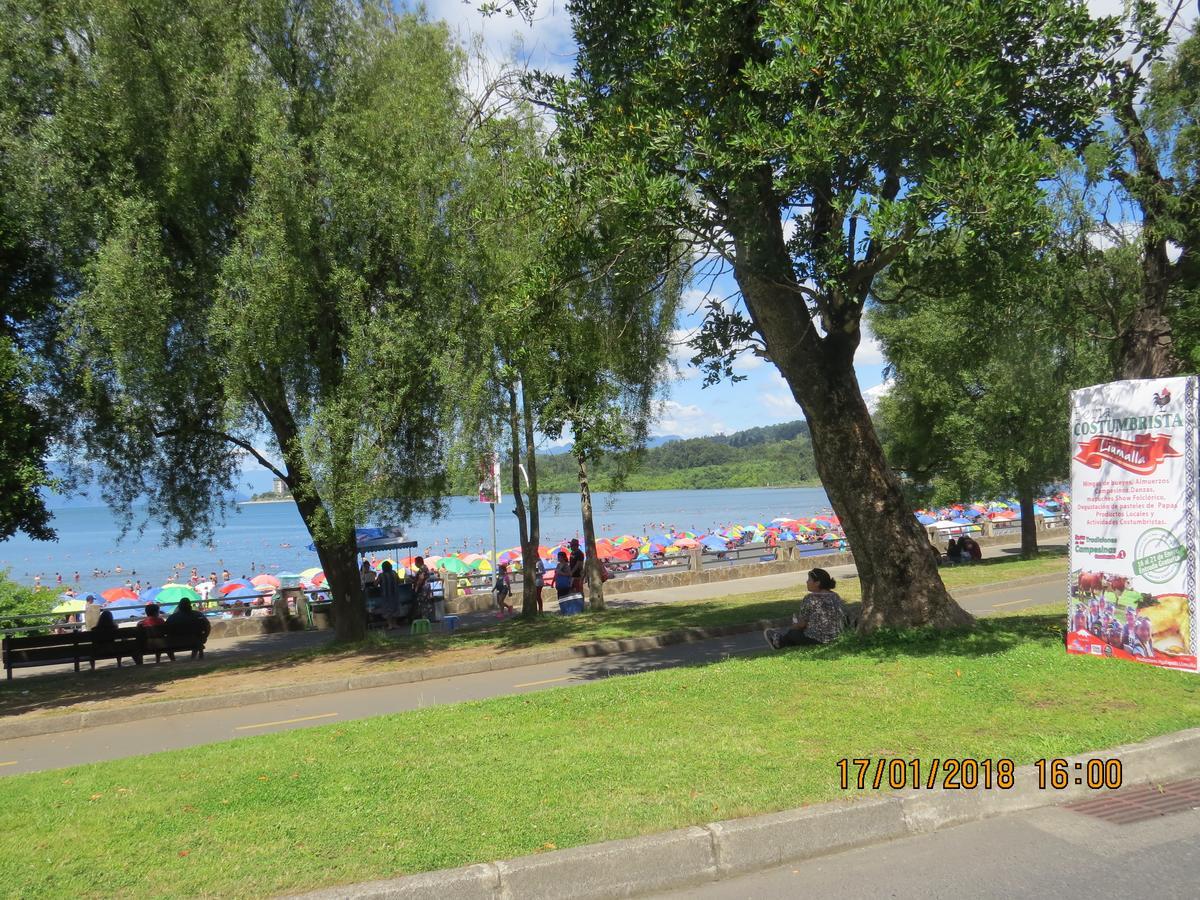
{"type": "Point", "coordinates": [160, 639]}
{"type": "Point", "coordinates": [76, 647]}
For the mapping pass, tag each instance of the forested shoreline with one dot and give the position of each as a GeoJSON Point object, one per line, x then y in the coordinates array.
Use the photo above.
{"type": "Point", "coordinates": [767, 456]}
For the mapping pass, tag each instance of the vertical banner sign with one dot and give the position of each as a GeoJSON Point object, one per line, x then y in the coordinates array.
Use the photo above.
{"type": "Point", "coordinates": [1134, 523]}
{"type": "Point", "coordinates": [489, 479]}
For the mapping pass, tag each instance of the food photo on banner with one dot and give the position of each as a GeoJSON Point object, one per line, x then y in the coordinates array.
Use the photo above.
{"type": "Point", "coordinates": [1134, 523]}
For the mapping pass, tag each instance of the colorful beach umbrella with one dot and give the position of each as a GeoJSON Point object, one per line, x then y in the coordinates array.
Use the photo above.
{"type": "Point", "coordinates": [73, 605]}
{"type": "Point", "coordinates": [265, 580]}
{"type": "Point", "coordinates": [230, 586]}
{"type": "Point", "coordinates": [172, 595]}
{"type": "Point", "coordinates": [114, 595]}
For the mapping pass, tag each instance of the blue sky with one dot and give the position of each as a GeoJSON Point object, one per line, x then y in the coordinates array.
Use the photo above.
{"type": "Point", "coordinates": [691, 410]}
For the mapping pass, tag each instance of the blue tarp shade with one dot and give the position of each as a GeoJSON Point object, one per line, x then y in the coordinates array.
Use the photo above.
{"type": "Point", "coordinates": [370, 540]}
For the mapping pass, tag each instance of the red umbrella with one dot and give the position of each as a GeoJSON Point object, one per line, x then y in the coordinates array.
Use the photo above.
{"type": "Point", "coordinates": [604, 549]}
{"type": "Point", "coordinates": [230, 586]}
{"type": "Point", "coordinates": [265, 580]}
{"type": "Point", "coordinates": [112, 595]}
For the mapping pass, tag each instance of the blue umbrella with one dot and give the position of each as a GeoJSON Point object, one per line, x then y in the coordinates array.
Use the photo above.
{"type": "Point", "coordinates": [961, 521]}
{"type": "Point", "coordinates": [642, 562]}
{"type": "Point", "coordinates": [243, 593]}
{"type": "Point", "coordinates": [148, 595]}
{"type": "Point", "coordinates": [925, 520]}
{"type": "Point", "coordinates": [712, 542]}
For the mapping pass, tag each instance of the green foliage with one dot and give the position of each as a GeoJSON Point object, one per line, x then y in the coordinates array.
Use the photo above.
{"type": "Point", "coordinates": [982, 367]}
{"type": "Point", "coordinates": [768, 111]}
{"type": "Point", "coordinates": [24, 442]}
{"type": "Point", "coordinates": [17, 600]}
{"type": "Point", "coordinates": [271, 194]}
{"type": "Point", "coordinates": [30, 74]}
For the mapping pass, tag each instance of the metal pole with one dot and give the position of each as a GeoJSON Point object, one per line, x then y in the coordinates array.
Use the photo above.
{"type": "Point", "coordinates": [493, 506]}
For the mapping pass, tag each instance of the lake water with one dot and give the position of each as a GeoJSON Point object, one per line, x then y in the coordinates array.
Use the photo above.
{"type": "Point", "coordinates": [271, 536]}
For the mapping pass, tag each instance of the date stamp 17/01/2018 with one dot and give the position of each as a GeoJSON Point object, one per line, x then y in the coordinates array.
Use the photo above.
{"type": "Point", "coordinates": [969, 774]}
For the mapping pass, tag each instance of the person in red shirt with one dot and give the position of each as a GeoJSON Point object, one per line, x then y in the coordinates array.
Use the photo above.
{"type": "Point", "coordinates": [152, 617]}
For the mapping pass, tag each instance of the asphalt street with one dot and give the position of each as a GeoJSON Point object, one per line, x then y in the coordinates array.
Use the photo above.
{"type": "Point", "coordinates": [153, 735]}
{"type": "Point", "coordinates": [1047, 852]}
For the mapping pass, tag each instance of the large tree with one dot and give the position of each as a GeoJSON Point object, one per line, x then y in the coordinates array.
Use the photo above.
{"type": "Point", "coordinates": [817, 142]}
{"type": "Point", "coordinates": [274, 188]}
{"type": "Point", "coordinates": [31, 69]}
{"type": "Point", "coordinates": [1151, 157]}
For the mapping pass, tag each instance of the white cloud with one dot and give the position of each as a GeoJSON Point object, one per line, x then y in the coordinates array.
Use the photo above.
{"type": "Point", "coordinates": [546, 43]}
{"type": "Point", "coordinates": [779, 405]}
{"type": "Point", "coordinates": [681, 354]}
{"type": "Point", "coordinates": [748, 362]}
{"type": "Point", "coordinates": [686, 420]}
{"type": "Point", "coordinates": [873, 395]}
{"type": "Point", "coordinates": [870, 351]}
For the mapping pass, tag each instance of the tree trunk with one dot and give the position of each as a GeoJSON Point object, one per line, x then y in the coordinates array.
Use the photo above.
{"type": "Point", "coordinates": [1029, 541]}
{"type": "Point", "coordinates": [901, 586]}
{"type": "Point", "coordinates": [340, 562]}
{"type": "Point", "coordinates": [529, 553]}
{"type": "Point", "coordinates": [1147, 345]}
{"type": "Point", "coordinates": [591, 564]}
{"type": "Point", "coordinates": [528, 602]}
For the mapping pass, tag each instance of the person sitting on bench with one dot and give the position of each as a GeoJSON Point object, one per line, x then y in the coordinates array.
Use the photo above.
{"type": "Point", "coordinates": [188, 621]}
{"type": "Point", "coordinates": [153, 617]}
{"type": "Point", "coordinates": [105, 628]}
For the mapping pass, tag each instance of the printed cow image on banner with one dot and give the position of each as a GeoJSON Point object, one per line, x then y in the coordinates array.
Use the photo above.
{"type": "Point", "coordinates": [1134, 522]}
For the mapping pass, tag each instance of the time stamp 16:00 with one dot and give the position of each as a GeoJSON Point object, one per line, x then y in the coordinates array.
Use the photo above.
{"type": "Point", "coordinates": [968, 774]}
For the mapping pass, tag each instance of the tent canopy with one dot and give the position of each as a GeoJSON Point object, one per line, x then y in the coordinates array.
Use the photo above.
{"type": "Point", "coordinates": [371, 540]}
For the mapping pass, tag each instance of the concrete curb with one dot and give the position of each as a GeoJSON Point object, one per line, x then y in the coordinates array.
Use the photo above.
{"type": "Point", "coordinates": [690, 856]}
{"type": "Point", "coordinates": [19, 727]}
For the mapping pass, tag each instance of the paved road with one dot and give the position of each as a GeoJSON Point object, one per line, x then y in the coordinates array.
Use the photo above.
{"type": "Point", "coordinates": [1050, 852]}
{"type": "Point", "coordinates": [153, 735]}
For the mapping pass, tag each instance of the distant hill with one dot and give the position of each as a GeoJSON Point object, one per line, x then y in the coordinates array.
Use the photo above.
{"type": "Point", "coordinates": [250, 483]}
{"type": "Point", "coordinates": [767, 456]}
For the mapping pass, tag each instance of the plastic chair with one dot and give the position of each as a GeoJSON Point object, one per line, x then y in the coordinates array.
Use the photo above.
{"type": "Point", "coordinates": [450, 622]}
{"type": "Point", "coordinates": [420, 626]}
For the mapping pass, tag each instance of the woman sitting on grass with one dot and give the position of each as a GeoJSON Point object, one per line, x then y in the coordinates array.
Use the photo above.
{"type": "Point", "coordinates": [821, 617]}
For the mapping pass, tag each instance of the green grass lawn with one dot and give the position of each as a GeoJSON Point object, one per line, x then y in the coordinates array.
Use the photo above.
{"type": "Point", "coordinates": [486, 780]}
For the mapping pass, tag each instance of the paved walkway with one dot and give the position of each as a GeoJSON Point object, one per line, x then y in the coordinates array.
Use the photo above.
{"type": "Point", "coordinates": [152, 735]}
{"type": "Point", "coordinates": [1048, 852]}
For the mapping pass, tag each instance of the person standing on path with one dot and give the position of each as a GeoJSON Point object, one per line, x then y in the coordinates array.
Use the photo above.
{"type": "Point", "coordinates": [562, 575]}
{"type": "Point", "coordinates": [422, 590]}
{"type": "Point", "coordinates": [503, 590]}
{"type": "Point", "coordinates": [576, 560]}
{"type": "Point", "coordinates": [388, 604]}
{"type": "Point", "coordinates": [539, 577]}
{"type": "Point", "coordinates": [820, 619]}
